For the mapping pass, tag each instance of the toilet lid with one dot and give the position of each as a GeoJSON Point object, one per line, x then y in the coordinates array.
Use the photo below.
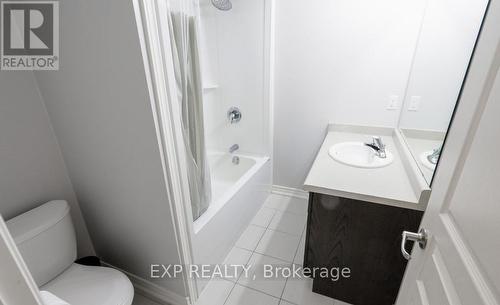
{"type": "Point", "coordinates": [85, 285]}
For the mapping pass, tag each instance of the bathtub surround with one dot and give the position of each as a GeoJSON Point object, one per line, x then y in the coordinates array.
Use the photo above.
{"type": "Point", "coordinates": [234, 50]}
{"type": "Point", "coordinates": [236, 74]}
{"type": "Point", "coordinates": [186, 57]}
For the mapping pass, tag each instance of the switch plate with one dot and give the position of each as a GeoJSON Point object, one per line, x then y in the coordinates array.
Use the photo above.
{"type": "Point", "coordinates": [414, 103]}
{"type": "Point", "coordinates": [393, 102]}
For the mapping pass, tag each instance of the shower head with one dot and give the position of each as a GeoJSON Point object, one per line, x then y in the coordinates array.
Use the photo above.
{"type": "Point", "coordinates": [223, 5]}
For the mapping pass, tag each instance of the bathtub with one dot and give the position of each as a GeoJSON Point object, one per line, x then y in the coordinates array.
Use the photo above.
{"type": "Point", "coordinates": [238, 192]}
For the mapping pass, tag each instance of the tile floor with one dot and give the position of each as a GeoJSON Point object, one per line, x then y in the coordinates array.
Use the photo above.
{"type": "Point", "coordinates": [275, 236]}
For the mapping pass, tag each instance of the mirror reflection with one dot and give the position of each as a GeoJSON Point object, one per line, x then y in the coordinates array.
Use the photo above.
{"type": "Point", "coordinates": [445, 45]}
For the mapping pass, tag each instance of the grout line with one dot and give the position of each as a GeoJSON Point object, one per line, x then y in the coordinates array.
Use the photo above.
{"type": "Point", "coordinates": [275, 210]}
{"type": "Point", "coordinates": [273, 257]}
{"type": "Point", "coordinates": [297, 250]}
{"type": "Point", "coordinates": [287, 233]}
{"type": "Point", "coordinates": [272, 217]}
{"type": "Point", "coordinates": [260, 292]}
{"type": "Point", "coordinates": [284, 287]}
{"type": "Point", "coordinates": [254, 252]}
{"type": "Point", "coordinates": [267, 228]}
{"type": "Point", "coordinates": [229, 294]}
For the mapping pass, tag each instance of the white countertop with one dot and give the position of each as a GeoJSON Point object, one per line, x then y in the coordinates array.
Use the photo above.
{"type": "Point", "coordinates": [420, 141]}
{"type": "Point", "coordinates": [396, 184]}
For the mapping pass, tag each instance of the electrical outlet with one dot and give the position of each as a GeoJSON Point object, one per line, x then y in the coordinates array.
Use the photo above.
{"type": "Point", "coordinates": [393, 102]}
{"type": "Point", "coordinates": [414, 103]}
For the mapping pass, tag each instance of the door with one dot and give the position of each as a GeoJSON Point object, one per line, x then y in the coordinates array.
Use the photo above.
{"type": "Point", "coordinates": [461, 260]}
{"type": "Point", "coordinates": [16, 284]}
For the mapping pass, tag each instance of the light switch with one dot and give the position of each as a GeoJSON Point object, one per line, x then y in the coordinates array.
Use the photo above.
{"type": "Point", "coordinates": [414, 103]}
{"type": "Point", "coordinates": [393, 102]}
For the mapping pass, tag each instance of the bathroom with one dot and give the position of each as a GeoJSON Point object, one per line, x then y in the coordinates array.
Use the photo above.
{"type": "Point", "coordinates": [178, 135]}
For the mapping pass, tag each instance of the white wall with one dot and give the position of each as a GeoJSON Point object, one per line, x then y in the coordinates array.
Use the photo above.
{"type": "Point", "coordinates": [449, 32]}
{"type": "Point", "coordinates": [233, 59]}
{"type": "Point", "coordinates": [32, 169]}
{"type": "Point", "coordinates": [336, 61]}
{"type": "Point", "coordinates": [100, 109]}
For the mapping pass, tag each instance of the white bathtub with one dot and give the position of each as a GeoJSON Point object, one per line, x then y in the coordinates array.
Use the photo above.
{"type": "Point", "coordinates": [238, 191]}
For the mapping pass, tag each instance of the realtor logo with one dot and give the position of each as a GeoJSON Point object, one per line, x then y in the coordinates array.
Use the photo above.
{"type": "Point", "coordinates": [29, 35]}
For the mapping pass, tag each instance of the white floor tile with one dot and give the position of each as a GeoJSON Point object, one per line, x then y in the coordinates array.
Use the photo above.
{"type": "Point", "coordinates": [273, 286]}
{"type": "Point", "coordinates": [299, 291]}
{"type": "Point", "coordinates": [250, 238]}
{"type": "Point", "coordinates": [215, 293]}
{"type": "Point", "coordinates": [283, 302]}
{"type": "Point", "coordinates": [279, 245]}
{"type": "Point", "coordinates": [246, 296]}
{"type": "Point", "coordinates": [299, 256]}
{"type": "Point", "coordinates": [263, 217]}
{"type": "Point", "coordinates": [237, 256]}
{"type": "Point", "coordinates": [288, 222]}
{"type": "Point", "coordinates": [276, 202]}
{"type": "Point", "coordinates": [287, 204]}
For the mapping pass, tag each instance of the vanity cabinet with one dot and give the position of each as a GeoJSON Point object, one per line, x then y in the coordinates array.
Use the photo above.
{"type": "Point", "coordinates": [362, 236]}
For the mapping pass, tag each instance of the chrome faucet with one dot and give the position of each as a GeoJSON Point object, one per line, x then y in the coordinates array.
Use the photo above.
{"type": "Point", "coordinates": [233, 148]}
{"type": "Point", "coordinates": [379, 147]}
{"type": "Point", "coordinates": [434, 157]}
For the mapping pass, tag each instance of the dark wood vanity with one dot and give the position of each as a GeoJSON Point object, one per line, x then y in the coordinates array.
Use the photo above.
{"type": "Point", "coordinates": [362, 236]}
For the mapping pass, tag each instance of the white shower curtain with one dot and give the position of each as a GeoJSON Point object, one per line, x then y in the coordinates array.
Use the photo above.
{"type": "Point", "coordinates": [184, 39]}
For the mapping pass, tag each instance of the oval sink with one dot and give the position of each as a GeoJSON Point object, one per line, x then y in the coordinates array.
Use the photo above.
{"type": "Point", "coordinates": [425, 162]}
{"type": "Point", "coordinates": [357, 154]}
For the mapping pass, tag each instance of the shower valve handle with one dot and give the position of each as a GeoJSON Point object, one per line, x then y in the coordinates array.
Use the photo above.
{"type": "Point", "coordinates": [234, 115]}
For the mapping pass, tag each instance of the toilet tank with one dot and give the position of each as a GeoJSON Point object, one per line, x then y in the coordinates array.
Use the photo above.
{"type": "Point", "coordinates": [46, 239]}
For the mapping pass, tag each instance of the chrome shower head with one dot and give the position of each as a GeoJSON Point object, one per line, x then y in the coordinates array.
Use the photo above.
{"type": "Point", "coordinates": [223, 5]}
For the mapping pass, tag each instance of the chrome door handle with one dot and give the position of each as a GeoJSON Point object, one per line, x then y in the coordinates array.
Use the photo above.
{"type": "Point", "coordinates": [420, 238]}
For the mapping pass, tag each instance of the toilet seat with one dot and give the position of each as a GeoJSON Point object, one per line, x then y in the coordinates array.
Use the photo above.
{"type": "Point", "coordinates": [89, 285]}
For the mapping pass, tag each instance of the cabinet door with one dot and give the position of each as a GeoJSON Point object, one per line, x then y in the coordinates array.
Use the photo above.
{"type": "Point", "coordinates": [363, 237]}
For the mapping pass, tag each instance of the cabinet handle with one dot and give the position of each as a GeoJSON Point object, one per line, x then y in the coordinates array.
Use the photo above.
{"type": "Point", "coordinates": [420, 238]}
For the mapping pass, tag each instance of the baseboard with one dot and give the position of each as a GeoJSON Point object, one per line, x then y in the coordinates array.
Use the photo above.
{"type": "Point", "coordinates": [289, 191]}
{"type": "Point", "coordinates": [153, 291]}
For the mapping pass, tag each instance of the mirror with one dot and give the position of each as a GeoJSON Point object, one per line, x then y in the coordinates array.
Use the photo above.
{"type": "Point", "coordinates": [445, 45]}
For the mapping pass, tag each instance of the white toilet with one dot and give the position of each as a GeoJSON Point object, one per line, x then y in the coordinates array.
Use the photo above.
{"type": "Point", "coordinates": [46, 239]}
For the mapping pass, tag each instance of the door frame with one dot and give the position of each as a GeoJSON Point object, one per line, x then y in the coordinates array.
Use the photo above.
{"type": "Point", "coordinates": [157, 55]}
{"type": "Point", "coordinates": [16, 283]}
{"type": "Point", "coordinates": [473, 97]}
